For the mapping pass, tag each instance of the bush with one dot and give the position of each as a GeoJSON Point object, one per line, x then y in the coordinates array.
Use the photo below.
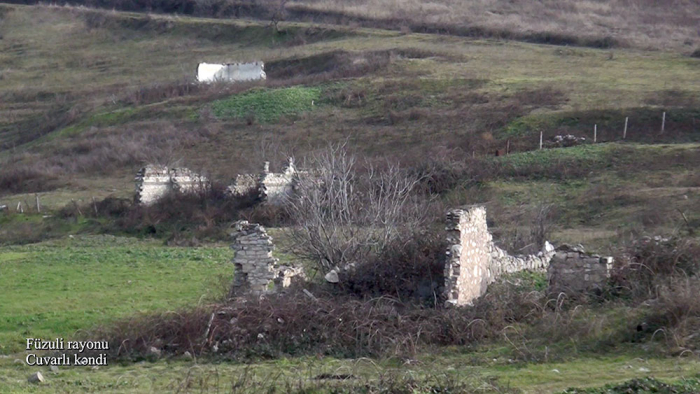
{"type": "Point", "coordinates": [410, 269]}
{"type": "Point", "coordinates": [649, 262]}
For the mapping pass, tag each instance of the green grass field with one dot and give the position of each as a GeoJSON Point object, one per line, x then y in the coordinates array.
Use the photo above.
{"type": "Point", "coordinates": [57, 288]}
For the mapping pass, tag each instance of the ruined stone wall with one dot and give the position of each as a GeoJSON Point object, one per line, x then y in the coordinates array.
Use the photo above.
{"type": "Point", "coordinates": [231, 72]}
{"type": "Point", "coordinates": [572, 271]}
{"type": "Point", "coordinates": [276, 187]}
{"type": "Point", "coordinates": [153, 182]}
{"type": "Point", "coordinates": [503, 263]}
{"type": "Point", "coordinates": [467, 270]}
{"type": "Point", "coordinates": [273, 187]}
{"type": "Point", "coordinates": [255, 269]}
{"type": "Point", "coordinates": [474, 261]}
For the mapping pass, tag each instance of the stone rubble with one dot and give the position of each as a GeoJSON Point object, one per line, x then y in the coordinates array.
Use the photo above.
{"type": "Point", "coordinates": [565, 141]}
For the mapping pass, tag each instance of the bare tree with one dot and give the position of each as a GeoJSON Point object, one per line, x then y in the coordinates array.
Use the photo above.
{"type": "Point", "coordinates": [344, 211]}
{"type": "Point", "coordinates": [542, 224]}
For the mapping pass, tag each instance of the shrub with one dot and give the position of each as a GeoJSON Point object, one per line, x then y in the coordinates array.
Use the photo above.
{"type": "Point", "coordinates": [410, 268]}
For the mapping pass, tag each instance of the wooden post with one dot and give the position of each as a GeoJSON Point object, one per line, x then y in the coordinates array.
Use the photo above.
{"type": "Point", "coordinates": [19, 207]}
{"type": "Point", "coordinates": [595, 133]}
{"type": "Point", "coordinates": [473, 154]}
{"type": "Point", "coordinates": [38, 204]}
{"type": "Point", "coordinates": [540, 140]}
{"type": "Point", "coordinates": [508, 147]}
{"type": "Point", "coordinates": [94, 204]}
{"type": "Point", "coordinates": [663, 123]}
{"type": "Point", "coordinates": [624, 133]}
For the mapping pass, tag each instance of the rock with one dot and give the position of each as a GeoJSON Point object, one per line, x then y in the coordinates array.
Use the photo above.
{"type": "Point", "coordinates": [642, 369]}
{"type": "Point", "coordinates": [548, 248]}
{"type": "Point", "coordinates": [54, 369]}
{"type": "Point", "coordinates": [555, 370]}
{"type": "Point", "coordinates": [154, 352]}
{"type": "Point", "coordinates": [36, 378]}
{"type": "Point", "coordinates": [332, 277]}
{"type": "Point", "coordinates": [187, 355]}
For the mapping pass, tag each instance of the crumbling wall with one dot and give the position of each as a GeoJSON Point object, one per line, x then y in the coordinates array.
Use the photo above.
{"type": "Point", "coordinates": [278, 186]}
{"type": "Point", "coordinates": [572, 271]}
{"type": "Point", "coordinates": [154, 181]}
{"type": "Point", "coordinates": [474, 261]}
{"type": "Point", "coordinates": [255, 269]}
{"type": "Point", "coordinates": [273, 187]}
{"type": "Point", "coordinates": [504, 263]}
{"type": "Point", "coordinates": [231, 72]}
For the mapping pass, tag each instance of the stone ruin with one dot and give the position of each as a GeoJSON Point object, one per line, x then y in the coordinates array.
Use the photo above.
{"type": "Point", "coordinates": [256, 271]}
{"type": "Point", "coordinates": [230, 72]}
{"type": "Point", "coordinates": [474, 261]}
{"type": "Point", "coordinates": [155, 181]}
{"type": "Point", "coordinates": [270, 186]}
{"type": "Point", "coordinates": [573, 271]}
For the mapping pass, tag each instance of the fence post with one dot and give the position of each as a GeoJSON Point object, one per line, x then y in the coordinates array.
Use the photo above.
{"type": "Point", "coordinates": [540, 140]}
{"type": "Point", "coordinates": [38, 204]}
{"type": "Point", "coordinates": [663, 123]}
{"type": "Point", "coordinates": [624, 133]}
{"type": "Point", "coordinates": [595, 133]}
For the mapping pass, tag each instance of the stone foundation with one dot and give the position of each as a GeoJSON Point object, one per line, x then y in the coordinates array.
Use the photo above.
{"type": "Point", "coordinates": [255, 269]}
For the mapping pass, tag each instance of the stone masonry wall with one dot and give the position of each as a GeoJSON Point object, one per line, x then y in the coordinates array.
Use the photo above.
{"type": "Point", "coordinates": [271, 186]}
{"type": "Point", "coordinates": [154, 181]}
{"type": "Point", "coordinates": [474, 261]}
{"type": "Point", "coordinates": [467, 270]}
{"type": "Point", "coordinates": [572, 271]}
{"type": "Point", "coordinates": [255, 269]}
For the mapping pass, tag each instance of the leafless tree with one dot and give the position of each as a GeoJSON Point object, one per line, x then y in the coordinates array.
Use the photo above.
{"type": "Point", "coordinates": [542, 224]}
{"type": "Point", "coordinates": [344, 210]}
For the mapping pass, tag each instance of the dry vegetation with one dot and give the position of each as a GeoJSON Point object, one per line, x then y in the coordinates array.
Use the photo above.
{"type": "Point", "coordinates": [650, 300]}
{"type": "Point", "coordinates": [603, 24]}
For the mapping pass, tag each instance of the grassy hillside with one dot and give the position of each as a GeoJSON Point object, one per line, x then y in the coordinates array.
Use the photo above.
{"type": "Point", "coordinates": [613, 23]}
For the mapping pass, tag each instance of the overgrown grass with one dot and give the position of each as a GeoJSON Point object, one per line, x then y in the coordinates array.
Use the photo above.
{"type": "Point", "coordinates": [267, 106]}
{"type": "Point", "coordinates": [644, 386]}
{"type": "Point", "coordinates": [447, 370]}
